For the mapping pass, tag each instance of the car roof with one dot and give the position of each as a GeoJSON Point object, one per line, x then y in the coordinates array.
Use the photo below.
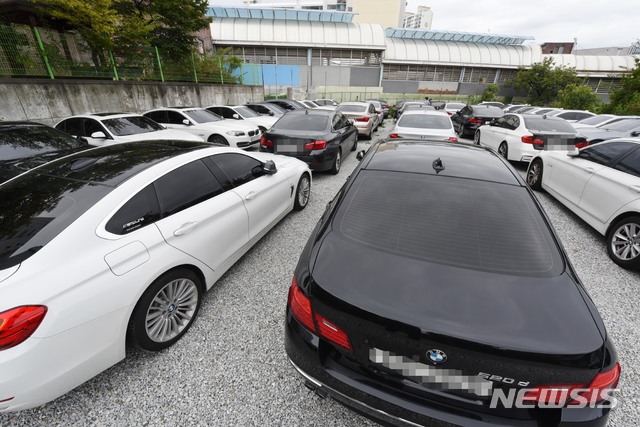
{"type": "Point", "coordinates": [459, 160]}
{"type": "Point", "coordinates": [104, 116]}
{"type": "Point", "coordinates": [21, 123]}
{"type": "Point", "coordinates": [314, 111]}
{"type": "Point", "coordinates": [421, 111]}
{"type": "Point", "coordinates": [354, 103]}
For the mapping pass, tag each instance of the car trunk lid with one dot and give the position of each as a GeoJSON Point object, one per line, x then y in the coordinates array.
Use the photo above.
{"type": "Point", "coordinates": [293, 142]}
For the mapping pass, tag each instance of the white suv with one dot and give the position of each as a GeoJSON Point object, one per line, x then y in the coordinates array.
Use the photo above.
{"type": "Point", "coordinates": [207, 125]}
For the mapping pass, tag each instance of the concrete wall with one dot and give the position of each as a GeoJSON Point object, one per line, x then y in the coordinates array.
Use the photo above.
{"type": "Point", "coordinates": [48, 101]}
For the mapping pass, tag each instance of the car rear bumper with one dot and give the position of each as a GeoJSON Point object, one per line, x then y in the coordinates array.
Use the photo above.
{"type": "Point", "coordinates": [320, 160]}
{"type": "Point", "coordinates": [374, 400]}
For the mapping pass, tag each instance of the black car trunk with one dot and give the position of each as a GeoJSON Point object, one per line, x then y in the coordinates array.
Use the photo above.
{"type": "Point", "coordinates": [403, 316]}
{"type": "Point", "coordinates": [293, 142]}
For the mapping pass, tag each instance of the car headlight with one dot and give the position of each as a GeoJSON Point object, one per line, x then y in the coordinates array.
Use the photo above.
{"type": "Point", "coordinates": [235, 133]}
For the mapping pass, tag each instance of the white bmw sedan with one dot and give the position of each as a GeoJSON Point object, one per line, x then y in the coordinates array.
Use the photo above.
{"type": "Point", "coordinates": [600, 184]}
{"type": "Point", "coordinates": [424, 124]}
{"type": "Point", "coordinates": [120, 243]}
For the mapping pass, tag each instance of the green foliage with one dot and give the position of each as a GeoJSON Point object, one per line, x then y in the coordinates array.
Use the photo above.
{"type": "Point", "coordinates": [490, 92]}
{"type": "Point", "coordinates": [543, 81]}
{"type": "Point", "coordinates": [626, 100]}
{"type": "Point", "coordinates": [578, 97]}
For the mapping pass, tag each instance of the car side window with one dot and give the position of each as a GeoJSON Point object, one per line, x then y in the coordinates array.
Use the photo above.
{"type": "Point", "coordinates": [158, 116]}
{"type": "Point", "coordinates": [335, 122]}
{"type": "Point", "coordinates": [91, 126]}
{"type": "Point", "coordinates": [185, 187]}
{"type": "Point", "coordinates": [604, 153]}
{"type": "Point", "coordinates": [630, 164]}
{"type": "Point", "coordinates": [140, 211]}
{"type": "Point", "coordinates": [227, 113]}
{"type": "Point", "coordinates": [512, 122]}
{"type": "Point", "coordinates": [72, 127]}
{"type": "Point", "coordinates": [239, 168]}
{"type": "Point", "coordinates": [175, 118]}
{"type": "Point", "coordinates": [344, 121]}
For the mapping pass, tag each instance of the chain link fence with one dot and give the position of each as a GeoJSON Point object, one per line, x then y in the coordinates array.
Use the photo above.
{"type": "Point", "coordinates": [41, 52]}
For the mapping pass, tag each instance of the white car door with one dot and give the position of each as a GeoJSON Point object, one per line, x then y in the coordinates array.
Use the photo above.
{"type": "Point", "coordinates": [199, 217]}
{"type": "Point", "coordinates": [265, 197]}
{"type": "Point", "coordinates": [491, 135]}
{"type": "Point", "coordinates": [571, 174]}
{"type": "Point", "coordinates": [611, 188]}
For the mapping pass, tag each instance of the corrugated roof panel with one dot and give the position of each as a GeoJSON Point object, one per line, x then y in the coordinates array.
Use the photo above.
{"type": "Point", "coordinates": [279, 14]}
{"type": "Point", "coordinates": [595, 64]}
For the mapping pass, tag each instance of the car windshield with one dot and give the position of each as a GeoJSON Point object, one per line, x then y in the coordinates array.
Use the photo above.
{"type": "Point", "coordinates": [302, 122]}
{"type": "Point", "coordinates": [623, 125]}
{"type": "Point", "coordinates": [22, 141]}
{"type": "Point", "coordinates": [594, 120]}
{"type": "Point", "coordinates": [351, 108]}
{"type": "Point", "coordinates": [424, 121]}
{"type": "Point", "coordinates": [246, 112]}
{"type": "Point", "coordinates": [426, 217]}
{"type": "Point", "coordinates": [202, 116]}
{"type": "Point", "coordinates": [132, 125]}
{"type": "Point", "coordinates": [537, 124]}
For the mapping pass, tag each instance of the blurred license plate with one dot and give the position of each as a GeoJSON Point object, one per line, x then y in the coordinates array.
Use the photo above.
{"type": "Point", "coordinates": [287, 148]}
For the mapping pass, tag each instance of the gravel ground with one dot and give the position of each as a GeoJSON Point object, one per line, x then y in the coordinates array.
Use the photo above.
{"type": "Point", "coordinates": [231, 368]}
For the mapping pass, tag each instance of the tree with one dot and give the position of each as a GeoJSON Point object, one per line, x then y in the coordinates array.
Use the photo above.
{"type": "Point", "coordinates": [543, 81]}
{"type": "Point", "coordinates": [626, 100]}
{"type": "Point", "coordinates": [578, 97]}
{"type": "Point", "coordinates": [490, 92]}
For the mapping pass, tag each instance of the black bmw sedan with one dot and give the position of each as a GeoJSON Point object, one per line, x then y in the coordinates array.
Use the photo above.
{"type": "Point", "coordinates": [434, 291]}
{"type": "Point", "coordinates": [319, 138]}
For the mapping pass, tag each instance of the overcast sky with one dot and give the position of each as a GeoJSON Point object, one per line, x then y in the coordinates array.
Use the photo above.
{"type": "Point", "coordinates": [595, 23]}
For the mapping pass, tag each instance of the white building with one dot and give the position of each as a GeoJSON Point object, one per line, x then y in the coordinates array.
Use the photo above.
{"type": "Point", "coordinates": [421, 19]}
{"type": "Point", "coordinates": [338, 5]}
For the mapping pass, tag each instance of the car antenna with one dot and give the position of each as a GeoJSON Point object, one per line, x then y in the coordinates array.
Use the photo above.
{"type": "Point", "coordinates": [438, 166]}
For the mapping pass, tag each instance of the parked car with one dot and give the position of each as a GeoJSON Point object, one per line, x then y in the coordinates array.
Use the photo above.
{"type": "Point", "coordinates": [208, 126]}
{"type": "Point", "coordinates": [121, 242]}
{"type": "Point", "coordinates": [267, 109]}
{"type": "Point", "coordinates": [287, 104]}
{"type": "Point", "coordinates": [309, 104]}
{"type": "Point", "coordinates": [433, 283]}
{"type": "Point", "coordinates": [600, 120]}
{"type": "Point", "coordinates": [424, 124]}
{"type": "Point", "coordinates": [519, 137]}
{"type": "Point", "coordinates": [325, 102]}
{"type": "Point", "coordinates": [600, 184]}
{"type": "Point", "coordinates": [320, 138]}
{"type": "Point", "coordinates": [438, 105]}
{"type": "Point", "coordinates": [25, 145]}
{"type": "Point", "coordinates": [384, 107]}
{"type": "Point", "coordinates": [618, 129]}
{"type": "Point", "coordinates": [513, 107]}
{"type": "Point", "coordinates": [379, 111]}
{"type": "Point", "coordinates": [471, 117]}
{"type": "Point", "coordinates": [493, 104]}
{"type": "Point", "coordinates": [571, 115]}
{"type": "Point", "coordinates": [110, 128]}
{"type": "Point", "coordinates": [453, 107]}
{"type": "Point", "coordinates": [411, 104]}
{"type": "Point", "coordinates": [363, 114]}
{"type": "Point", "coordinates": [241, 112]}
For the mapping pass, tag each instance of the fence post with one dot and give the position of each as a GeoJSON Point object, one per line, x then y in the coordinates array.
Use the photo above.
{"type": "Point", "coordinates": [159, 64]}
{"type": "Point", "coordinates": [43, 53]}
{"type": "Point", "coordinates": [221, 75]}
{"type": "Point", "coordinates": [193, 62]}
{"type": "Point", "coordinates": [113, 65]}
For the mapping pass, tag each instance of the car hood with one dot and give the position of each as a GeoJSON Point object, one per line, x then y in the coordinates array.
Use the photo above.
{"type": "Point", "coordinates": [421, 132]}
{"type": "Point", "coordinates": [160, 135]}
{"type": "Point", "coordinates": [520, 313]}
{"type": "Point", "coordinates": [263, 121]}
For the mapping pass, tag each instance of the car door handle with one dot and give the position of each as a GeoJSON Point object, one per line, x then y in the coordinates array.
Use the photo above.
{"type": "Point", "coordinates": [185, 228]}
{"type": "Point", "coordinates": [251, 195]}
{"type": "Point", "coordinates": [590, 170]}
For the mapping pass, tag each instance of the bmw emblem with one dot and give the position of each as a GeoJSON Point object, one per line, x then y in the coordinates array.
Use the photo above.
{"type": "Point", "coordinates": [437, 356]}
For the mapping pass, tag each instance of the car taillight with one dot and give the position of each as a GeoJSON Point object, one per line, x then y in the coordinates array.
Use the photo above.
{"type": "Point", "coordinates": [528, 139]}
{"type": "Point", "coordinates": [394, 135]}
{"type": "Point", "coordinates": [559, 394]}
{"type": "Point", "coordinates": [19, 323]}
{"type": "Point", "coordinates": [476, 121]}
{"type": "Point", "coordinates": [315, 145]}
{"type": "Point", "coordinates": [264, 142]}
{"type": "Point", "coordinates": [450, 113]}
{"type": "Point", "coordinates": [452, 139]}
{"type": "Point", "coordinates": [378, 111]}
{"type": "Point", "coordinates": [581, 142]}
{"type": "Point", "coordinates": [301, 309]}
{"type": "Point", "coordinates": [362, 119]}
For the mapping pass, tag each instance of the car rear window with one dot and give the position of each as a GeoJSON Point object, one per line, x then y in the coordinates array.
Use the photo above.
{"type": "Point", "coordinates": [362, 109]}
{"type": "Point", "coordinates": [548, 125]}
{"type": "Point", "coordinates": [458, 222]}
{"type": "Point", "coordinates": [424, 121]}
{"type": "Point", "coordinates": [22, 141]}
{"type": "Point", "coordinates": [304, 122]}
{"type": "Point", "coordinates": [487, 111]}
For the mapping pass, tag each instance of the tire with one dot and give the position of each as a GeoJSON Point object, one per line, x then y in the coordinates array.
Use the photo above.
{"type": "Point", "coordinates": [217, 139]}
{"type": "Point", "coordinates": [476, 138]}
{"type": "Point", "coordinates": [503, 150]}
{"type": "Point", "coordinates": [157, 310]}
{"type": "Point", "coordinates": [623, 242]}
{"type": "Point", "coordinates": [369, 135]}
{"type": "Point", "coordinates": [303, 192]}
{"type": "Point", "coordinates": [337, 163]}
{"type": "Point", "coordinates": [534, 174]}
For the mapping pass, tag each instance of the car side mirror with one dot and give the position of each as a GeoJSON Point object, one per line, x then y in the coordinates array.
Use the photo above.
{"type": "Point", "coordinates": [269, 167]}
{"type": "Point", "coordinates": [573, 153]}
{"type": "Point", "coordinates": [360, 155]}
{"type": "Point", "coordinates": [99, 135]}
{"type": "Point", "coordinates": [635, 133]}
{"type": "Point", "coordinates": [186, 122]}
{"type": "Point", "coordinates": [236, 116]}
{"type": "Point", "coordinates": [271, 113]}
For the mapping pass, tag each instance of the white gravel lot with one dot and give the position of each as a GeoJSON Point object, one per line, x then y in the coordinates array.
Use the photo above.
{"type": "Point", "coordinates": [231, 368]}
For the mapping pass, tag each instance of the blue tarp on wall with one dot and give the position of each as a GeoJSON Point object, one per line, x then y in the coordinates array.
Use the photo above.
{"type": "Point", "coordinates": [269, 74]}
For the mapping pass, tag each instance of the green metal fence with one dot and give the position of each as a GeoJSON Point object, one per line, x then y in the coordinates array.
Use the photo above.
{"type": "Point", "coordinates": [40, 52]}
